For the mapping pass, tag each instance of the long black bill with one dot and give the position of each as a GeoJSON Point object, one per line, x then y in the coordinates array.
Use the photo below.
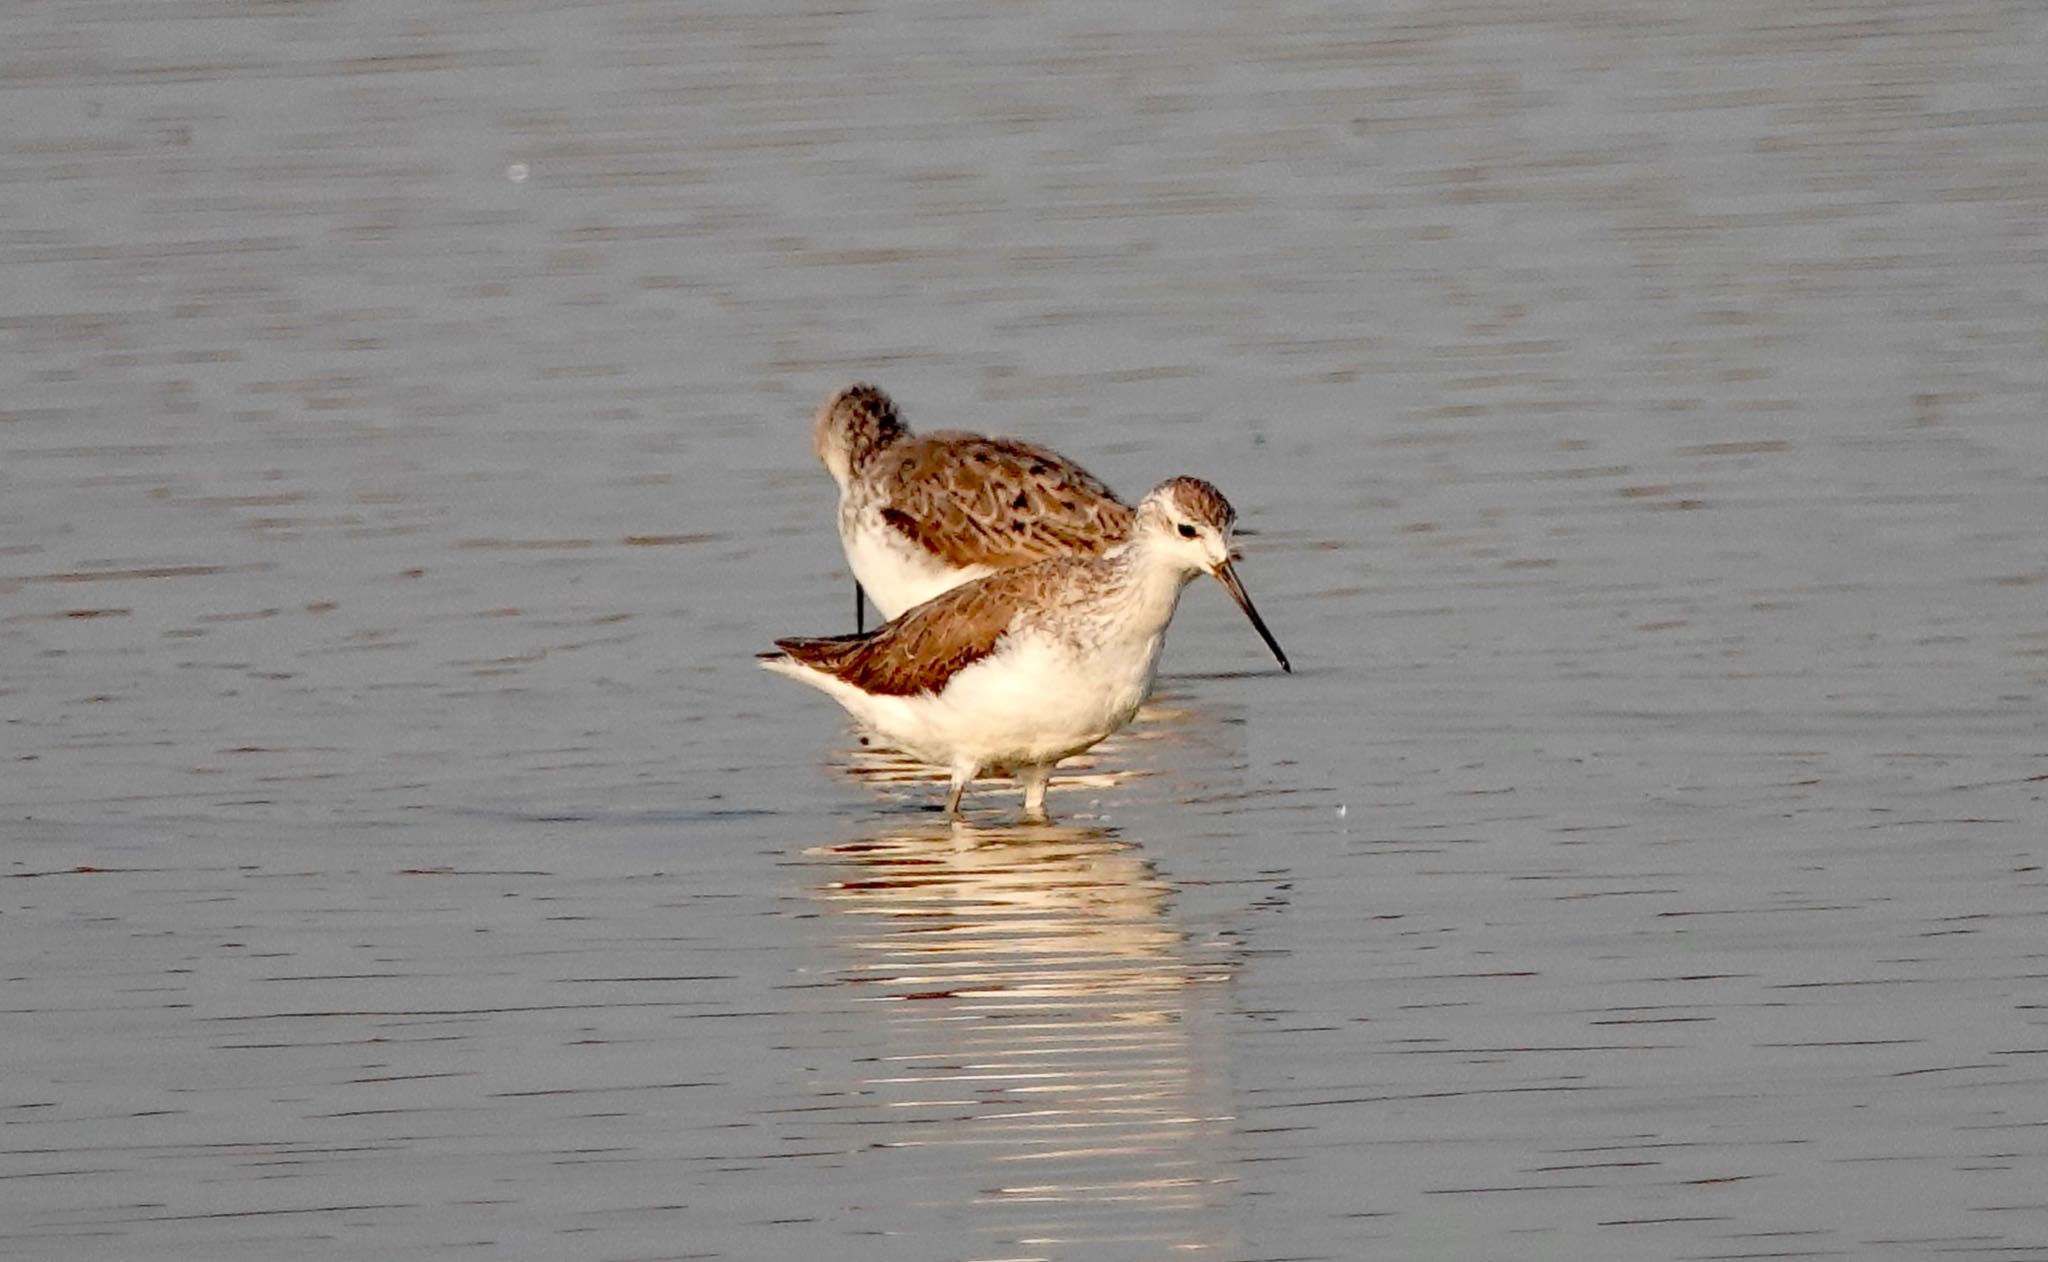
{"type": "Point", "coordinates": [1228, 577]}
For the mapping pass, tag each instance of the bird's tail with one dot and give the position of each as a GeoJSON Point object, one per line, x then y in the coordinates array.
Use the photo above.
{"type": "Point", "coordinates": [823, 651]}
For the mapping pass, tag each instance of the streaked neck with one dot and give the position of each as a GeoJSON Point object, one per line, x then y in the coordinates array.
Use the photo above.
{"type": "Point", "coordinates": [1149, 584]}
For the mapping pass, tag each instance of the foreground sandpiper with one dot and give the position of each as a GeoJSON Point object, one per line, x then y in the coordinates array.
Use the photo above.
{"type": "Point", "coordinates": [921, 513]}
{"type": "Point", "coordinates": [1026, 666]}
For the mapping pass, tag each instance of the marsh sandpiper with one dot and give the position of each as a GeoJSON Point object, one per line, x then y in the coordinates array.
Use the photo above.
{"type": "Point", "coordinates": [920, 513]}
{"type": "Point", "coordinates": [1026, 666]}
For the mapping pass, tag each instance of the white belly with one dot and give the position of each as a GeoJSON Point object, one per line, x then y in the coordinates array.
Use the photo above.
{"type": "Point", "coordinates": [896, 573]}
{"type": "Point", "coordinates": [1032, 703]}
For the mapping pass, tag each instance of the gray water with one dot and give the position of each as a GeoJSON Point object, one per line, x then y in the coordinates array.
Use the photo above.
{"type": "Point", "coordinates": [405, 448]}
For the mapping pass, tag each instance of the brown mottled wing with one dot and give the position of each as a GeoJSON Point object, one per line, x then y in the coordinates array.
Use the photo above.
{"type": "Point", "coordinates": [996, 501]}
{"type": "Point", "coordinates": [929, 644]}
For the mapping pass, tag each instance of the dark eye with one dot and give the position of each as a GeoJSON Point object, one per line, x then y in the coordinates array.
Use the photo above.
{"type": "Point", "coordinates": [1187, 531]}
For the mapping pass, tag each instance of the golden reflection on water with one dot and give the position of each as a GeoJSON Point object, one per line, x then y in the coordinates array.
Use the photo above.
{"type": "Point", "coordinates": [1047, 1026]}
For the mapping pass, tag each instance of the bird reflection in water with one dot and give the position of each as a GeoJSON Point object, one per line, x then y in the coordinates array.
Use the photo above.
{"type": "Point", "coordinates": [1052, 1064]}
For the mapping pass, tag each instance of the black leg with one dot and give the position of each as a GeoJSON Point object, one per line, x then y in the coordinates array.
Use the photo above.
{"type": "Point", "coordinates": [860, 610]}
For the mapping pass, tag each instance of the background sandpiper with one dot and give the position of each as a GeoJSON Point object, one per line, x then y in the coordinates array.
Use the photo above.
{"type": "Point", "coordinates": [920, 513]}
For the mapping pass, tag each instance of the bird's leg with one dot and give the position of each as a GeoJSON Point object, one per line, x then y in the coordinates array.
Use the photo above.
{"type": "Point", "coordinates": [961, 777]}
{"type": "Point", "coordinates": [1035, 779]}
{"type": "Point", "coordinates": [860, 609]}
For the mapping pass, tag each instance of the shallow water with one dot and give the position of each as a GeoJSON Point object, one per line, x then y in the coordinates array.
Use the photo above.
{"type": "Point", "coordinates": [1639, 409]}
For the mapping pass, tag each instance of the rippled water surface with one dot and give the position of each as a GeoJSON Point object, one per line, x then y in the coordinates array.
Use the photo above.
{"type": "Point", "coordinates": [1640, 411]}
